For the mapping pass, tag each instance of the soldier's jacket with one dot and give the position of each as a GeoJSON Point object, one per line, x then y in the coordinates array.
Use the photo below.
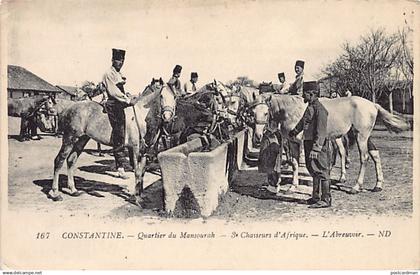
{"type": "Point", "coordinates": [175, 85]}
{"type": "Point", "coordinates": [190, 88]}
{"type": "Point", "coordinates": [296, 88]}
{"type": "Point", "coordinates": [314, 124]}
{"type": "Point", "coordinates": [114, 82]}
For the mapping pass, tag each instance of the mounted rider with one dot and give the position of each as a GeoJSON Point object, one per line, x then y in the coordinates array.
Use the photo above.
{"type": "Point", "coordinates": [117, 100]}
{"type": "Point", "coordinates": [296, 88]}
{"type": "Point", "coordinates": [174, 83]}
{"type": "Point", "coordinates": [282, 87]}
{"type": "Point", "coordinates": [190, 87]}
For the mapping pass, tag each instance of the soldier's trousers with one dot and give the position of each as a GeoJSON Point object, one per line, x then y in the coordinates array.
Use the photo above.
{"type": "Point", "coordinates": [269, 160]}
{"type": "Point", "coordinates": [319, 169]}
{"type": "Point", "coordinates": [115, 111]}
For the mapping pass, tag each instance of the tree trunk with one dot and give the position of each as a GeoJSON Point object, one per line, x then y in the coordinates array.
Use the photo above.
{"type": "Point", "coordinates": [403, 101]}
{"type": "Point", "coordinates": [391, 103]}
{"type": "Point", "coordinates": [373, 97]}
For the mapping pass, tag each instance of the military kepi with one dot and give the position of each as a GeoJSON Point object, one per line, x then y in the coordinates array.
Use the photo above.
{"type": "Point", "coordinates": [177, 69]}
{"type": "Point", "coordinates": [118, 54]}
{"type": "Point", "coordinates": [194, 75]}
{"type": "Point", "coordinates": [310, 86]}
{"type": "Point", "coordinates": [280, 75]}
{"type": "Point", "coordinates": [300, 63]}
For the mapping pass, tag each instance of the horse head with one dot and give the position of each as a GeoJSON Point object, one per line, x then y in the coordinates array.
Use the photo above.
{"type": "Point", "coordinates": [167, 103]}
{"type": "Point", "coordinates": [44, 121]}
{"type": "Point", "coordinates": [260, 111]}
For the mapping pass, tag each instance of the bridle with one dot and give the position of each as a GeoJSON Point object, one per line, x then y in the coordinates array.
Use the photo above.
{"type": "Point", "coordinates": [258, 121]}
{"type": "Point", "coordinates": [170, 109]}
{"type": "Point", "coordinates": [43, 108]}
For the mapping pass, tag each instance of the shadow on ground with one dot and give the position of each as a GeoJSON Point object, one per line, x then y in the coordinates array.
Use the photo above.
{"type": "Point", "coordinates": [152, 196]}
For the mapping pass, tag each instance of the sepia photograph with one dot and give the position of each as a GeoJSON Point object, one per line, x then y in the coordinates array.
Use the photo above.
{"type": "Point", "coordinates": [209, 134]}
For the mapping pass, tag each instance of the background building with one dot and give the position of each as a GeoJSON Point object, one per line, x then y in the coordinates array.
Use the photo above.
{"type": "Point", "coordinates": [23, 83]}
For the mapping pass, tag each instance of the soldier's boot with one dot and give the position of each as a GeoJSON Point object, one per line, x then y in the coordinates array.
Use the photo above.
{"type": "Point", "coordinates": [325, 195]}
{"type": "Point", "coordinates": [272, 179]}
{"type": "Point", "coordinates": [315, 192]}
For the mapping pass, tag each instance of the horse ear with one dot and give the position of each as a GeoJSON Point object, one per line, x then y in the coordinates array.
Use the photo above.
{"type": "Point", "coordinates": [268, 99]}
{"type": "Point", "coordinates": [161, 81]}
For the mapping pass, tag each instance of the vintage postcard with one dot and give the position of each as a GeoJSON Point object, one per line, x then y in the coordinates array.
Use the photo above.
{"type": "Point", "coordinates": [209, 135]}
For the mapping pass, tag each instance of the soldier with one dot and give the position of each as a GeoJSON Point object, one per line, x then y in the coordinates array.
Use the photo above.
{"type": "Point", "coordinates": [174, 82]}
{"type": "Point", "coordinates": [296, 87]}
{"type": "Point", "coordinates": [190, 87]}
{"type": "Point", "coordinates": [118, 99]}
{"type": "Point", "coordinates": [316, 145]}
{"type": "Point", "coordinates": [281, 88]}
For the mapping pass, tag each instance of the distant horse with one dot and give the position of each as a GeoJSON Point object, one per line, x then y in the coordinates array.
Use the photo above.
{"type": "Point", "coordinates": [346, 113]}
{"type": "Point", "coordinates": [25, 108]}
{"type": "Point", "coordinates": [238, 102]}
{"type": "Point", "coordinates": [85, 120]}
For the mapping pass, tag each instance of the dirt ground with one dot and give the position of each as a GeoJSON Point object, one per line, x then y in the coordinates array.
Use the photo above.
{"type": "Point", "coordinates": [31, 170]}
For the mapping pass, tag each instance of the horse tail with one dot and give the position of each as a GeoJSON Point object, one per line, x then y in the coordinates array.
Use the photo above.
{"type": "Point", "coordinates": [393, 123]}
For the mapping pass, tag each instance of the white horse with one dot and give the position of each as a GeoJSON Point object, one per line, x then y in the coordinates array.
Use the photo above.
{"type": "Point", "coordinates": [345, 113]}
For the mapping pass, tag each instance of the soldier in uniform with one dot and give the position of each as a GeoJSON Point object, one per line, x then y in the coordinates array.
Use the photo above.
{"type": "Point", "coordinates": [190, 87]}
{"type": "Point", "coordinates": [316, 145]}
{"type": "Point", "coordinates": [281, 88]}
{"type": "Point", "coordinates": [296, 87]}
{"type": "Point", "coordinates": [174, 82]}
{"type": "Point", "coordinates": [118, 99]}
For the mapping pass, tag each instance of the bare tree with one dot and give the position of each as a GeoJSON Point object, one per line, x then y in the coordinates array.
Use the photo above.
{"type": "Point", "coordinates": [365, 67]}
{"type": "Point", "coordinates": [243, 81]}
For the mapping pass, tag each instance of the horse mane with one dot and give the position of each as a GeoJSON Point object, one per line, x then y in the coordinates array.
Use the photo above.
{"type": "Point", "coordinates": [148, 96]}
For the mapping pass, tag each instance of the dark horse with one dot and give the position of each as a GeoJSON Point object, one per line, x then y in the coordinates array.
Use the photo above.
{"type": "Point", "coordinates": [85, 120]}
{"type": "Point", "coordinates": [195, 115]}
{"type": "Point", "coordinates": [27, 108]}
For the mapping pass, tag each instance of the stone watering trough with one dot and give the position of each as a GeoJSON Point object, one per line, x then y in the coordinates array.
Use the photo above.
{"type": "Point", "coordinates": [206, 175]}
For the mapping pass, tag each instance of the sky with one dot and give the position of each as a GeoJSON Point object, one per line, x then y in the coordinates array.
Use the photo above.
{"type": "Point", "coordinates": [68, 42]}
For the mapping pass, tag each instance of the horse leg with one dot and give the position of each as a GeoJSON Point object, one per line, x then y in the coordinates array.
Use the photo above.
{"type": "Point", "coordinates": [346, 142]}
{"type": "Point", "coordinates": [24, 129]}
{"type": "Point", "coordinates": [99, 149]}
{"type": "Point", "coordinates": [71, 164]}
{"type": "Point", "coordinates": [363, 151]}
{"type": "Point", "coordinates": [65, 150]}
{"type": "Point", "coordinates": [343, 156]}
{"type": "Point", "coordinates": [295, 152]}
{"type": "Point", "coordinates": [374, 153]}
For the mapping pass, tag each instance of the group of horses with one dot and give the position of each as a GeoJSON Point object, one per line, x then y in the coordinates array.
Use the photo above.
{"type": "Point", "coordinates": [158, 118]}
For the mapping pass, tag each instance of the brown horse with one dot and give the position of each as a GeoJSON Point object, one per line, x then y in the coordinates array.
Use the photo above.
{"type": "Point", "coordinates": [25, 108]}
{"type": "Point", "coordinates": [85, 120]}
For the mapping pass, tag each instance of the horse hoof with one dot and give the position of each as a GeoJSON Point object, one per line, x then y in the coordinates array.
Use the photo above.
{"type": "Point", "coordinates": [289, 192]}
{"type": "Point", "coordinates": [56, 198]}
{"type": "Point", "coordinates": [343, 180]}
{"type": "Point", "coordinates": [347, 166]}
{"type": "Point", "coordinates": [76, 193]}
{"type": "Point", "coordinates": [354, 191]}
{"type": "Point", "coordinates": [377, 189]}
{"type": "Point", "coordinates": [136, 200]}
